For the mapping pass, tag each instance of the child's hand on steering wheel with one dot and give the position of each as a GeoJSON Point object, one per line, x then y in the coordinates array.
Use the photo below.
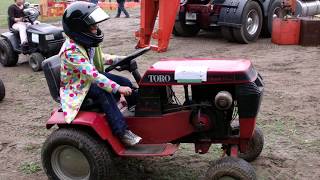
{"type": "Point", "coordinates": [125, 90]}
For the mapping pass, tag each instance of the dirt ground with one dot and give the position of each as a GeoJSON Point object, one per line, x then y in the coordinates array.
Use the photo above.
{"type": "Point", "coordinates": [288, 116]}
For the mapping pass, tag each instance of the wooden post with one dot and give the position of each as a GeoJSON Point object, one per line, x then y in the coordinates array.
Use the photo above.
{"type": "Point", "coordinates": [44, 7]}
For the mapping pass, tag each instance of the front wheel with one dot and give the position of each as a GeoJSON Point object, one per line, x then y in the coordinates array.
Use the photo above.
{"type": "Point", "coordinates": [251, 24]}
{"type": "Point", "coordinates": [2, 90]}
{"type": "Point", "coordinates": [70, 154]}
{"type": "Point", "coordinates": [255, 146]}
{"type": "Point", "coordinates": [35, 61]}
{"type": "Point", "coordinates": [230, 168]}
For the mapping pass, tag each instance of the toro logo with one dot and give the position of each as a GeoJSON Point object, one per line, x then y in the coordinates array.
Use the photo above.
{"type": "Point", "coordinates": [159, 78]}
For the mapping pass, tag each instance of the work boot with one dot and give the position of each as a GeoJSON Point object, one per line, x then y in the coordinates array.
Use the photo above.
{"type": "Point", "coordinates": [116, 16]}
{"type": "Point", "coordinates": [130, 139]}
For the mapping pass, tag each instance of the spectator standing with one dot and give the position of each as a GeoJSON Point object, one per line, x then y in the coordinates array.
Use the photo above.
{"type": "Point", "coordinates": [121, 8]}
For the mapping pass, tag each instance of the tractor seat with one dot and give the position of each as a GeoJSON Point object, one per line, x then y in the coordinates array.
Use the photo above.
{"type": "Point", "coordinates": [51, 69]}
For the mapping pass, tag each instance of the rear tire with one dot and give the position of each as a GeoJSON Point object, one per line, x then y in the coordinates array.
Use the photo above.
{"type": "Point", "coordinates": [255, 146]}
{"type": "Point", "coordinates": [182, 29]}
{"type": "Point", "coordinates": [2, 90]}
{"type": "Point", "coordinates": [7, 55]}
{"type": "Point", "coordinates": [251, 24]}
{"type": "Point", "coordinates": [274, 12]}
{"type": "Point", "coordinates": [265, 31]}
{"type": "Point", "coordinates": [74, 154]}
{"type": "Point", "coordinates": [227, 33]}
{"type": "Point", "coordinates": [35, 61]}
{"type": "Point", "coordinates": [231, 168]}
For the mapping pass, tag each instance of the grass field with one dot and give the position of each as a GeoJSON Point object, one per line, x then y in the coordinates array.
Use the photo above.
{"type": "Point", "coordinates": [4, 4]}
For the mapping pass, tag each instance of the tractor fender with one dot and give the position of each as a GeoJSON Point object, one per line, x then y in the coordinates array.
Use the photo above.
{"type": "Point", "coordinates": [10, 37]}
{"type": "Point", "coordinates": [92, 120]}
{"type": "Point", "coordinates": [232, 11]}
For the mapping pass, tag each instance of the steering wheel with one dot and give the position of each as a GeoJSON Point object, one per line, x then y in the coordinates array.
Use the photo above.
{"type": "Point", "coordinates": [128, 58]}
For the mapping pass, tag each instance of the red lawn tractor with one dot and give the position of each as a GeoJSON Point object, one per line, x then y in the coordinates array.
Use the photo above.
{"type": "Point", "coordinates": [221, 103]}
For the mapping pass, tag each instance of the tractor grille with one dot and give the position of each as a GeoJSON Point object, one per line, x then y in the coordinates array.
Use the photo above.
{"type": "Point", "coordinates": [249, 97]}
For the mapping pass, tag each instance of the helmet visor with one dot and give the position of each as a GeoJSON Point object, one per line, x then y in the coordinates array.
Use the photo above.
{"type": "Point", "coordinates": [97, 16]}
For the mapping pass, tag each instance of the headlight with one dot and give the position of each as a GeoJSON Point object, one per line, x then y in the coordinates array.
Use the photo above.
{"type": "Point", "coordinates": [35, 38]}
{"type": "Point", "coordinates": [49, 37]}
{"type": "Point", "coordinates": [223, 100]}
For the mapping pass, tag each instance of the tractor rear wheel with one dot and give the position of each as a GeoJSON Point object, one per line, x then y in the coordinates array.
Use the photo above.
{"type": "Point", "coordinates": [255, 146]}
{"type": "Point", "coordinates": [231, 168]}
{"type": "Point", "coordinates": [35, 61]}
{"type": "Point", "coordinates": [251, 24]}
{"type": "Point", "coordinates": [7, 55]}
{"type": "Point", "coordinates": [182, 29]}
{"type": "Point", "coordinates": [74, 154]}
{"type": "Point", "coordinates": [2, 90]}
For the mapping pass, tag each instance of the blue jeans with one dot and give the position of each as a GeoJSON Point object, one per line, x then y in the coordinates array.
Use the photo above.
{"type": "Point", "coordinates": [121, 8]}
{"type": "Point", "coordinates": [107, 102]}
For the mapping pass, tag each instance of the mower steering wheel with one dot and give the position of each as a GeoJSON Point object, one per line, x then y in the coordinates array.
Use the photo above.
{"type": "Point", "coordinates": [128, 58]}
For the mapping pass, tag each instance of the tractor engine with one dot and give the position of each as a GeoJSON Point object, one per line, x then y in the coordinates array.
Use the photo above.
{"type": "Point", "coordinates": [225, 104]}
{"type": "Point", "coordinates": [217, 104]}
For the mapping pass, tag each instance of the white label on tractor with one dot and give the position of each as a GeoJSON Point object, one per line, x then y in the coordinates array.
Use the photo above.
{"type": "Point", "coordinates": [159, 78]}
{"type": "Point", "coordinates": [191, 16]}
{"type": "Point", "coordinates": [35, 38]}
{"type": "Point", "coordinates": [191, 73]}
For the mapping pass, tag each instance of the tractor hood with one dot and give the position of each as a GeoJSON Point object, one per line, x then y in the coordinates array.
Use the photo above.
{"type": "Point", "coordinates": [44, 29]}
{"type": "Point", "coordinates": [199, 71]}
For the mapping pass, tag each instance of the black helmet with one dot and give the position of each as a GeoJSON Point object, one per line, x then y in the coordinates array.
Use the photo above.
{"type": "Point", "coordinates": [78, 18]}
{"type": "Point", "coordinates": [31, 13]}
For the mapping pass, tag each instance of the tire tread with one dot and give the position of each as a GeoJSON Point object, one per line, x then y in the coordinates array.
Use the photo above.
{"type": "Point", "coordinates": [2, 90]}
{"type": "Point", "coordinates": [12, 57]}
{"type": "Point", "coordinates": [231, 166]}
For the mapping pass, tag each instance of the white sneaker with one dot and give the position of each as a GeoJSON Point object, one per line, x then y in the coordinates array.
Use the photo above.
{"type": "Point", "coordinates": [130, 139]}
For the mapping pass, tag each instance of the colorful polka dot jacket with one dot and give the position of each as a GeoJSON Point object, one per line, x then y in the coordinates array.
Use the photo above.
{"type": "Point", "coordinates": [78, 72]}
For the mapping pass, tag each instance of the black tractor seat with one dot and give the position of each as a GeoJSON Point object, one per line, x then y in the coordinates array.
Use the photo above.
{"type": "Point", "coordinates": [51, 69]}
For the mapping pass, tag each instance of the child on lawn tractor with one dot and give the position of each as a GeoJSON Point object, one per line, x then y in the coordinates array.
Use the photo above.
{"type": "Point", "coordinates": [15, 21]}
{"type": "Point", "coordinates": [82, 70]}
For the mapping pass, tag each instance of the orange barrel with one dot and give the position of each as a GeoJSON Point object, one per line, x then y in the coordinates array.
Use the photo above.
{"type": "Point", "coordinates": [286, 31]}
